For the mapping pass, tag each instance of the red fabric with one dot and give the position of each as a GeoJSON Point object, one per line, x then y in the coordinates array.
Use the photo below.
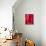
{"type": "Point", "coordinates": [29, 19]}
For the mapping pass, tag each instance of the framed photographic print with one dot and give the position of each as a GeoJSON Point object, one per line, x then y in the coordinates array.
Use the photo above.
{"type": "Point", "coordinates": [29, 19]}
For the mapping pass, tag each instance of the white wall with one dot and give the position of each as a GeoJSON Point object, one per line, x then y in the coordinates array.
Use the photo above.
{"type": "Point", "coordinates": [43, 23]}
{"type": "Point", "coordinates": [29, 31]}
{"type": "Point", "coordinates": [40, 24]}
{"type": "Point", "coordinates": [6, 13]}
